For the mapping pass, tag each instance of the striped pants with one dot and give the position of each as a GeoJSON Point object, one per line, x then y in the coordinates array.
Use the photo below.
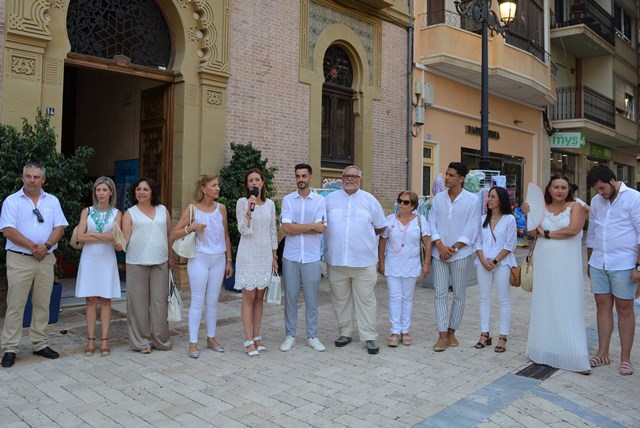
{"type": "Point", "coordinates": [457, 272]}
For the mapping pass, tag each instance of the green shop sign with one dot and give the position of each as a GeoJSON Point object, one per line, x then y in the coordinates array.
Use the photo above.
{"type": "Point", "coordinates": [567, 140]}
{"type": "Point", "coordinates": [600, 152]}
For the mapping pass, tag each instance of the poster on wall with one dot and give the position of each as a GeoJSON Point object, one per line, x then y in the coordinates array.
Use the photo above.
{"type": "Point", "coordinates": [126, 173]}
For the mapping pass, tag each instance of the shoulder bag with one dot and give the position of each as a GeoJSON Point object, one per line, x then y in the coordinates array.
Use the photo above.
{"type": "Point", "coordinates": [526, 275]}
{"type": "Point", "coordinates": [186, 246]}
{"type": "Point", "coordinates": [423, 250]}
{"type": "Point", "coordinates": [174, 301]}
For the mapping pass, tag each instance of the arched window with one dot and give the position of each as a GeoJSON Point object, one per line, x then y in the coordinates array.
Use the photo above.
{"type": "Point", "coordinates": [337, 109]}
{"type": "Point", "coordinates": [105, 28]}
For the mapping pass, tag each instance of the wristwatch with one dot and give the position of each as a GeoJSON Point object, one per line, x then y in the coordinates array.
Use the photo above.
{"type": "Point", "coordinates": [638, 267]}
{"type": "Point", "coordinates": [46, 244]}
{"type": "Point", "coordinates": [496, 262]}
{"type": "Point", "coordinates": [546, 234]}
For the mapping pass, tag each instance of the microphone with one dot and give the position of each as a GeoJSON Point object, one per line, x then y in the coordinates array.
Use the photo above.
{"type": "Point", "coordinates": [253, 192]}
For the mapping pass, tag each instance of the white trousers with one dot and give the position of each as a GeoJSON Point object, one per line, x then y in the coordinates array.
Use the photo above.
{"type": "Point", "coordinates": [400, 303]}
{"type": "Point", "coordinates": [500, 278]}
{"type": "Point", "coordinates": [206, 273]}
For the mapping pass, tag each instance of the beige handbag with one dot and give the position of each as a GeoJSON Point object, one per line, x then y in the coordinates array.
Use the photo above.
{"type": "Point", "coordinates": [74, 240]}
{"type": "Point", "coordinates": [118, 236]}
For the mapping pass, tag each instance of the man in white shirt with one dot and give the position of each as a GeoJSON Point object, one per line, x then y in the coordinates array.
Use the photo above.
{"type": "Point", "coordinates": [454, 219]}
{"type": "Point", "coordinates": [32, 222]}
{"type": "Point", "coordinates": [303, 221]}
{"type": "Point", "coordinates": [613, 248]}
{"type": "Point", "coordinates": [354, 221]}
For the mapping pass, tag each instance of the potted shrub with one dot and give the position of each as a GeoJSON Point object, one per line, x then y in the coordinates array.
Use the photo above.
{"type": "Point", "coordinates": [245, 157]}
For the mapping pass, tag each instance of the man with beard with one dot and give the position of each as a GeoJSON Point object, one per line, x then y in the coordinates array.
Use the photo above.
{"type": "Point", "coordinates": [303, 221]}
{"type": "Point", "coordinates": [613, 248]}
{"type": "Point", "coordinates": [354, 219]}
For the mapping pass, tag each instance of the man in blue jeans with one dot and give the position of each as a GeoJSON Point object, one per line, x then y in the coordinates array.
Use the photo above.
{"type": "Point", "coordinates": [614, 261]}
{"type": "Point", "coordinates": [303, 221]}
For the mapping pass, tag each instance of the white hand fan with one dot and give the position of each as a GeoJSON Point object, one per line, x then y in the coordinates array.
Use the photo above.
{"type": "Point", "coordinates": [535, 199]}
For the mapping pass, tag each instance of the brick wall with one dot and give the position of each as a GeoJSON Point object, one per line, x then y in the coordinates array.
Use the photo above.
{"type": "Point", "coordinates": [390, 117]}
{"type": "Point", "coordinates": [267, 104]}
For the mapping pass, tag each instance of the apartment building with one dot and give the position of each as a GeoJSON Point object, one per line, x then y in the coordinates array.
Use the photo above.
{"type": "Point", "coordinates": [594, 45]}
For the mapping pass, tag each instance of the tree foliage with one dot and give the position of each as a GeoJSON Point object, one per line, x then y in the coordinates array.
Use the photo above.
{"type": "Point", "coordinates": [65, 175]}
{"type": "Point", "coordinates": [245, 157]}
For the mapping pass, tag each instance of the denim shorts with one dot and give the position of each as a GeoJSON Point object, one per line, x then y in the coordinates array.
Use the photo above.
{"type": "Point", "coordinates": [616, 282]}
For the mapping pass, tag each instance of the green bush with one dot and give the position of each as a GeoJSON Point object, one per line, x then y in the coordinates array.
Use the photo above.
{"type": "Point", "coordinates": [65, 176]}
{"type": "Point", "coordinates": [245, 157]}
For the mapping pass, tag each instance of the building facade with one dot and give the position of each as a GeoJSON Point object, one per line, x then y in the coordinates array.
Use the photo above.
{"type": "Point", "coordinates": [161, 88]}
{"type": "Point", "coordinates": [447, 90]}
{"type": "Point", "coordinates": [594, 45]}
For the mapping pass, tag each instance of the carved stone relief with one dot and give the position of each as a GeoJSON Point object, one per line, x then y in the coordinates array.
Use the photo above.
{"type": "Point", "coordinates": [214, 98]}
{"type": "Point", "coordinates": [28, 18]}
{"type": "Point", "coordinates": [24, 65]}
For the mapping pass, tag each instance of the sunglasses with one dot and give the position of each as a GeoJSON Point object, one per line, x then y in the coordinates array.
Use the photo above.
{"type": "Point", "coordinates": [38, 215]}
{"type": "Point", "coordinates": [404, 202]}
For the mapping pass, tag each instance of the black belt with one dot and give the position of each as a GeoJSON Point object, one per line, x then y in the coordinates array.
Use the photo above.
{"type": "Point", "coordinates": [21, 253]}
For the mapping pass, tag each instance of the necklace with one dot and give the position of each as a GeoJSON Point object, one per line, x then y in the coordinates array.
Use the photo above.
{"type": "Point", "coordinates": [101, 219]}
{"type": "Point", "coordinates": [401, 230]}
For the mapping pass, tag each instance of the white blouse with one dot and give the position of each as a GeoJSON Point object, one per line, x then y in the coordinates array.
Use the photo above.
{"type": "Point", "coordinates": [504, 237]}
{"type": "Point", "coordinates": [402, 252]}
{"type": "Point", "coordinates": [148, 242]}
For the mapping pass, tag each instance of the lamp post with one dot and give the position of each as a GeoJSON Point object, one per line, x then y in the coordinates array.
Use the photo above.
{"type": "Point", "coordinates": [480, 11]}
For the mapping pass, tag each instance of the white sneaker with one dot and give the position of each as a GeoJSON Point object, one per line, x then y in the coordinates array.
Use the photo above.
{"type": "Point", "coordinates": [315, 343]}
{"type": "Point", "coordinates": [288, 343]}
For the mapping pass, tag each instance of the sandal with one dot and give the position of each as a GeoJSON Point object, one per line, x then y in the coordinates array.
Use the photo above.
{"type": "Point", "coordinates": [501, 348]}
{"type": "Point", "coordinates": [626, 368]}
{"type": "Point", "coordinates": [482, 343]}
{"type": "Point", "coordinates": [146, 350]}
{"type": "Point", "coordinates": [394, 340]}
{"type": "Point", "coordinates": [598, 360]}
{"type": "Point", "coordinates": [88, 351]}
{"type": "Point", "coordinates": [253, 353]}
{"type": "Point", "coordinates": [105, 350]}
{"type": "Point", "coordinates": [259, 346]}
{"type": "Point", "coordinates": [406, 339]}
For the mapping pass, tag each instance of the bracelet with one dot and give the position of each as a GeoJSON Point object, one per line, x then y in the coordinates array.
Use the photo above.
{"type": "Point", "coordinates": [229, 260]}
{"type": "Point", "coordinates": [186, 231]}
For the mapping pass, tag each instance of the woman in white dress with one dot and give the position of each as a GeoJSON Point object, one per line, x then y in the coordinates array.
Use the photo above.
{"type": "Point", "coordinates": [256, 258]}
{"type": "Point", "coordinates": [98, 279]}
{"type": "Point", "coordinates": [494, 247]}
{"type": "Point", "coordinates": [399, 259]}
{"type": "Point", "coordinates": [212, 260]}
{"type": "Point", "coordinates": [557, 333]}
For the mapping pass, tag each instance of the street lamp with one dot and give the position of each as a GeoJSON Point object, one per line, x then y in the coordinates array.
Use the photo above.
{"type": "Point", "coordinates": [480, 11]}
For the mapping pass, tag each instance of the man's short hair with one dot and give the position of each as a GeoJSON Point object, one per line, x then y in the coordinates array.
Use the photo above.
{"type": "Point", "coordinates": [600, 172]}
{"type": "Point", "coordinates": [460, 168]}
{"type": "Point", "coordinates": [353, 167]}
{"type": "Point", "coordinates": [34, 165]}
{"type": "Point", "coordinates": [303, 166]}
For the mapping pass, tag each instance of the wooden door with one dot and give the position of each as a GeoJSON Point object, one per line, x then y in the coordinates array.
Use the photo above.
{"type": "Point", "coordinates": [155, 139]}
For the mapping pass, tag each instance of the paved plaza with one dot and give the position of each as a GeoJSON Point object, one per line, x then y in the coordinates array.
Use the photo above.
{"type": "Point", "coordinates": [400, 387]}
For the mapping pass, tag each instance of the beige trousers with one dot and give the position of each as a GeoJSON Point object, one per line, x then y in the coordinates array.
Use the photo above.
{"type": "Point", "coordinates": [24, 274]}
{"type": "Point", "coordinates": [352, 293]}
{"type": "Point", "coordinates": [147, 290]}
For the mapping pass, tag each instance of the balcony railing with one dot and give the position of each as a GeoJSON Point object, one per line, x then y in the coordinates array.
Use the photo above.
{"type": "Point", "coordinates": [582, 102]}
{"type": "Point", "coordinates": [594, 17]}
{"type": "Point", "coordinates": [452, 19]}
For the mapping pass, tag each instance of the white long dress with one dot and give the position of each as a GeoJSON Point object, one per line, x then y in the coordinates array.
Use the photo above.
{"type": "Point", "coordinates": [254, 261]}
{"type": "Point", "coordinates": [557, 334]}
{"type": "Point", "coordinates": [98, 269]}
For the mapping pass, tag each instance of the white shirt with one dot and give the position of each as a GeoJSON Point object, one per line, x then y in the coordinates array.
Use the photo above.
{"type": "Point", "coordinates": [455, 221]}
{"type": "Point", "coordinates": [504, 237]}
{"type": "Point", "coordinates": [303, 247]}
{"type": "Point", "coordinates": [614, 230]}
{"type": "Point", "coordinates": [350, 238]}
{"type": "Point", "coordinates": [17, 213]}
{"type": "Point", "coordinates": [402, 252]}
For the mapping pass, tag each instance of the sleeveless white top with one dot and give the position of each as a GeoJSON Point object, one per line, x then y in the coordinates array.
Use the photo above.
{"type": "Point", "coordinates": [212, 240]}
{"type": "Point", "coordinates": [148, 244]}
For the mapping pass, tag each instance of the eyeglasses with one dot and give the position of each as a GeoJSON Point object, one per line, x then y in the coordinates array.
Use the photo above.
{"type": "Point", "coordinates": [404, 202]}
{"type": "Point", "coordinates": [38, 215]}
{"type": "Point", "coordinates": [351, 177]}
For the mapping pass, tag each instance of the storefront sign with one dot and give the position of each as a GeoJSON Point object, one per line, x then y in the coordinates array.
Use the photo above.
{"type": "Point", "coordinates": [600, 152]}
{"type": "Point", "coordinates": [567, 140]}
{"type": "Point", "coordinates": [474, 130]}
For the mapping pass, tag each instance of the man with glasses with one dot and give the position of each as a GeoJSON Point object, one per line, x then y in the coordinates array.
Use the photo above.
{"type": "Point", "coordinates": [454, 219]}
{"type": "Point", "coordinates": [354, 219]}
{"type": "Point", "coordinates": [32, 223]}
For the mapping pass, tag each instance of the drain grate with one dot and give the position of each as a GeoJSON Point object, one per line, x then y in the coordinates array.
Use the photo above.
{"type": "Point", "coordinates": [537, 371]}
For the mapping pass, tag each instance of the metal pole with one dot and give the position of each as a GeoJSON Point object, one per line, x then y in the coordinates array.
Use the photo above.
{"type": "Point", "coordinates": [484, 109]}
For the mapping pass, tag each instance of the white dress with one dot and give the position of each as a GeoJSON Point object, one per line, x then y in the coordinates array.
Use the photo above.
{"type": "Point", "coordinates": [254, 261]}
{"type": "Point", "coordinates": [557, 333]}
{"type": "Point", "coordinates": [98, 269]}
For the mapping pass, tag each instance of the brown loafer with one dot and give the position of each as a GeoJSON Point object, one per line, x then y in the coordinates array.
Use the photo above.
{"type": "Point", "coordinates": [441, 345]}
{"type": "Point", "coordinates": [453, 342]}
{"type": "Point", "coordinates": [394, 340]}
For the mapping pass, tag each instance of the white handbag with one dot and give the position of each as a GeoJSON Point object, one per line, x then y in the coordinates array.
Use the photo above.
{"type": "Point", "coordinates": [186, 246]}
{"type": "Point", "coordinates": [274, 293]}
{"type": "Point", "coordinates": [174, 306]}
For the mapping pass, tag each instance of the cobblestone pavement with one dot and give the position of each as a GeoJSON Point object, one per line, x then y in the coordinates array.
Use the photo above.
{"type": "Point", "coordinates": [404, 386]}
